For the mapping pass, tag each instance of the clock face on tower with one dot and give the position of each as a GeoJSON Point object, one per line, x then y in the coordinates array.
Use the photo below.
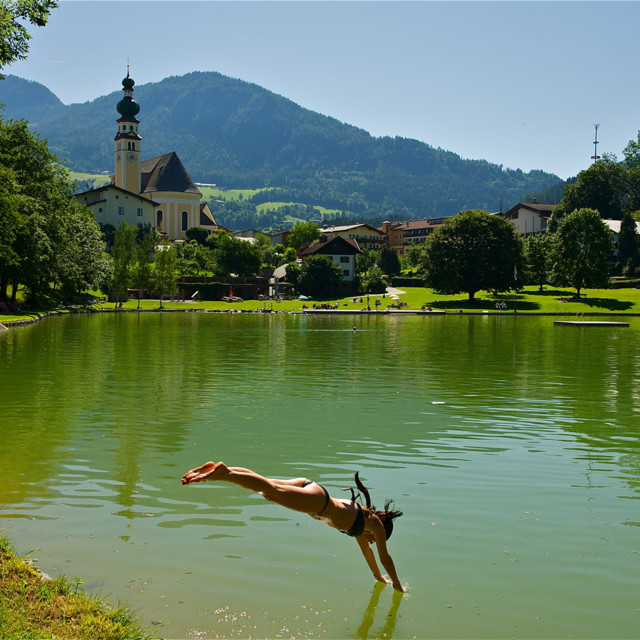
{"type": "Point", "coordinates": [131, 156]}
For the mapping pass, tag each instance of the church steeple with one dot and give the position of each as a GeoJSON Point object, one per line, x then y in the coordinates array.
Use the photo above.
{"type": "Point", "coordinates": [127, 140]}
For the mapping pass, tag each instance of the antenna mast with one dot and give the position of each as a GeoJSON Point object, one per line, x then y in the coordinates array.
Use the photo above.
{"type": "Point", "coordinates": [595, 157]}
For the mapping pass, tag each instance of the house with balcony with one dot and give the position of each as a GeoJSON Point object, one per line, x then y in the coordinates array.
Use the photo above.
{"type": "Point", "coordinates": [530, 217]}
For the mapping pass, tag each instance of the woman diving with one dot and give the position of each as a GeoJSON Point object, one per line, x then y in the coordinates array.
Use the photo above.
{"type": "Point", "coordinates": [364, 523]}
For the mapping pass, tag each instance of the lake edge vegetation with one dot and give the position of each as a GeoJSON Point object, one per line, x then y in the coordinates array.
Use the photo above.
{"type": "Point", "coordinates": [35, 606]}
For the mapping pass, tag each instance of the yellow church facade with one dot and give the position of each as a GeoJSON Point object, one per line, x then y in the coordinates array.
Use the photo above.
{"type": "Point", "coordinates": [158, 192]}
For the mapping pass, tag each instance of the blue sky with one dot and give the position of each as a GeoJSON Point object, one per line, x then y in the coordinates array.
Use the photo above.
{"type": "Point", "coordinates": [519, 84]}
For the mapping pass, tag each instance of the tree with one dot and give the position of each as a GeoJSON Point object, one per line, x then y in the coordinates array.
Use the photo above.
{"type": "Point", "coordinates": [81, 261]}
{"type": "Point", "coordinates": [237, 256]}
{"type": "Point", "coordinates": [124, 258]}
{"type": "Point", "coordinates": [319, 276]}
{"type": "Point", "coordinates": [164, 272]}
{"type": "Point", "coordinates": [142, 274]}
{"type": "Point", "coordinates": [412, 257]}
{"type": "Point", "coordinates": [389, 261]}
{"type": "Point", "coordinates": [108, 235]}
{"type": "Point", "coordinates": [186, 263]}
{"type": "Point", "coordinates": [603, 186]}
{"type": "Point", "coordinates": [198, 234]}
{"type": "Point", "coordinates": [537, 250]}
{"type": "Point", "coordinates": [40, 221]}
{"type": "Point", "coordinates": [628, 256]}
{"type": "Point", "coordinates": [582, 246]}
{"type": "Point", "coordinates": [14, 37]}
{"type": "Point", "coordinates": [472, 251]}
{"type": "Point", "coordinates": [366, 259]}
{"type": "Point", "coordinates": [303, 233]}
{"type": "Point", "coordinates": [374, 282]}
{"type": "Point", "coordinates": [632, 164]}
{"type": "Point", "coordinates": [290, 255]}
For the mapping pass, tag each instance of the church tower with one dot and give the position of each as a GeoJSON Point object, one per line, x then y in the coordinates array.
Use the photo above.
{"type": "Point", "coordinates": [127, 175]}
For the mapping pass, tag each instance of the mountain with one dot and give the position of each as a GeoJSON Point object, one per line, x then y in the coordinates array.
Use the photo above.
{"type": "Point", "coordinates": [239, 135]}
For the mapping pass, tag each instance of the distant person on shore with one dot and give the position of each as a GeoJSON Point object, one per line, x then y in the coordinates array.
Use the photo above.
{"type": "Point", "coordinates": [364, 523]}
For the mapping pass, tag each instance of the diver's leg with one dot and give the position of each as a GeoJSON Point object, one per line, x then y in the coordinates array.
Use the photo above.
{"type": "Point", "coordinates": [310, 499]}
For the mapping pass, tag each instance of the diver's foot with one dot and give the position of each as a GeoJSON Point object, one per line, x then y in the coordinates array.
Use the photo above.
{"type": "Point", "coordinates": [208, 471]}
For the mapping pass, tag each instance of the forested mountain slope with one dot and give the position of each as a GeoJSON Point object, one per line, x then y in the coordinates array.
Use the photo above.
{"type": "Point", "coordinates": [239, 135]}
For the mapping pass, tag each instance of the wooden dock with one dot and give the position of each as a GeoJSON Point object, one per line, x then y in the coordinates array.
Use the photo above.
{"type": "Point", "coordinates": [591, 323]}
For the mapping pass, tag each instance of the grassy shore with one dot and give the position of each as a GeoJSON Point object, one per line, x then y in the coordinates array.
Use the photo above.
{"type": "Point", "coordinates": [528, 301]}
{"type": "Point", "coordinates": [35, 607]}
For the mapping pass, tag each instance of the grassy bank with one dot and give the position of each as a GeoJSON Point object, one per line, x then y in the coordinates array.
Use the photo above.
{"type": "Point", "coordinates": [529, 300]}
{"type": "Point", "coordinates": [33, 607]}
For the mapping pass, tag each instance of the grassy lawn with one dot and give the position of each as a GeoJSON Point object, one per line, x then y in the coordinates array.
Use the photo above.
{"type": "Point", "coordinates": [33, 608]}
{"type": "Point", "coordinates": [592, 301]}
{"type": "Point", "coordinates": [227, 194]}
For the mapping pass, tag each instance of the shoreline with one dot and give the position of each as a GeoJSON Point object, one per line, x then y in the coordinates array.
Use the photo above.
{"type": "Point", "coordinates": [8, 324]}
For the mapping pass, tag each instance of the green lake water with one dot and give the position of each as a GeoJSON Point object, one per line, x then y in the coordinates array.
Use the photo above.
{"type": "Point", "coordinates": [512, 446]}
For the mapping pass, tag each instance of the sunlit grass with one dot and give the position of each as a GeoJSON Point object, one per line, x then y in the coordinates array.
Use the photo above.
{"type": "Point", "coordinates": [217, 193]}
{"type": "Point", "coordinates": [34, 607]}
{"type": "Point", "coordinates": [549, 301]}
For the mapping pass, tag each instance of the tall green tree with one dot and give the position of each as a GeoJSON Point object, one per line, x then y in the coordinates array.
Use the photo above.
{"type": "Point", "coordinates": [471, 252]}
{"type": "Point", "coordinates": [582, 246]}
{"type": "Point", "coordinates": [303, 233]}
{"type": "Point", "coordinates": [164, 271]}
{"type": "Point", "coordinates": [537, 250]}
{"type": "Point", "coordinates": [389, 261]}
{"type": "Point", "coordinates": [628, 255]}
{"type": "Point", "coordinates": [632, 164]}
{"type": "Point", "coordinates": [319, 276]}
{"type": "Point", "coordinates": [14, 34]}
{"type": "Point", "coordinates": [366, 260]}
{"type": "Point", "coordinates": [605, 186]}
{"type": "Point", "coordinates": [142, 272]}
{"type": "Point", "coordinates": [81, 260]}
{"type": "Point", "coordinates": [40, 221]}
{"type": "Point", "coordinates": [124, 258]}
{"type": "Point", "coordinates": [237, 256]}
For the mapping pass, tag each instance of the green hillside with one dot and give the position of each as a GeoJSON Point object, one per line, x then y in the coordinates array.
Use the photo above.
{"type": "Point", "coordinates": [240, 136]}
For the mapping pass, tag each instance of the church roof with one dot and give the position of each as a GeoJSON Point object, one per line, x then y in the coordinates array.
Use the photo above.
{"type": "Point", "coordinates": [112, 187]}
{"type": "Point", "coordinates": [166, 173]}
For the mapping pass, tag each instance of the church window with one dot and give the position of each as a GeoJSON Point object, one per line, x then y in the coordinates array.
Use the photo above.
{"type": "Point", "coordinates": [159, 218]}
{"type": "Point", "coordinates": [139, 211]}
{"type": "Point", "coordinates": [185, 220]}
{"type": "Point", "coordinates": [120, 211]}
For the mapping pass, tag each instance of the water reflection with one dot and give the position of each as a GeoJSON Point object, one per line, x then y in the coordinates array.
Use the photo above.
{"type": "Point", "coordinates": [491, 434]}
{"type": "Point", "coordinates": [389, 625]}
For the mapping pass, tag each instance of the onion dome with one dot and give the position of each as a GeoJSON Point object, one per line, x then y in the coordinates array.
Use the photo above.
{"type": "Point", "coordinates": [128, 107]}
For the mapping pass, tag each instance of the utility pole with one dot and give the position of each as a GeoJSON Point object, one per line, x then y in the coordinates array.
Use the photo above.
{"type": "Point", "coordinates": [595, 157]}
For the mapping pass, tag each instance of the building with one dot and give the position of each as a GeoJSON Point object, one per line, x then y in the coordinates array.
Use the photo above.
{"type": "Point", "coordinates": [342, 251]}
{"type": "Point", "coordinates": [158, 192]}
{"type": "Point", "coordinates": [530, 217]}
{"type": "Point", "coordinates": [402, 236]}
{"type": "Point", "coordinates": [366, 236]}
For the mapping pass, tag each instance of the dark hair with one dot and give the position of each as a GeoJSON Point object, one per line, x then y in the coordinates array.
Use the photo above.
{"type": "Point", "coordinates": [387, 515]}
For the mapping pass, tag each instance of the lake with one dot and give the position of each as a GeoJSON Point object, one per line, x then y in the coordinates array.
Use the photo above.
{"type": "Point", "coordinates": [512, 446]}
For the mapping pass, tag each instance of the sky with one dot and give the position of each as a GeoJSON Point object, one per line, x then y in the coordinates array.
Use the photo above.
{"type": "Point", "coordinates": [519, 84]}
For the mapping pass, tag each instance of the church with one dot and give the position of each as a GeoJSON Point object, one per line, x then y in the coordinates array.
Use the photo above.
{"type": "Point", "coordinates": [157, 192]}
